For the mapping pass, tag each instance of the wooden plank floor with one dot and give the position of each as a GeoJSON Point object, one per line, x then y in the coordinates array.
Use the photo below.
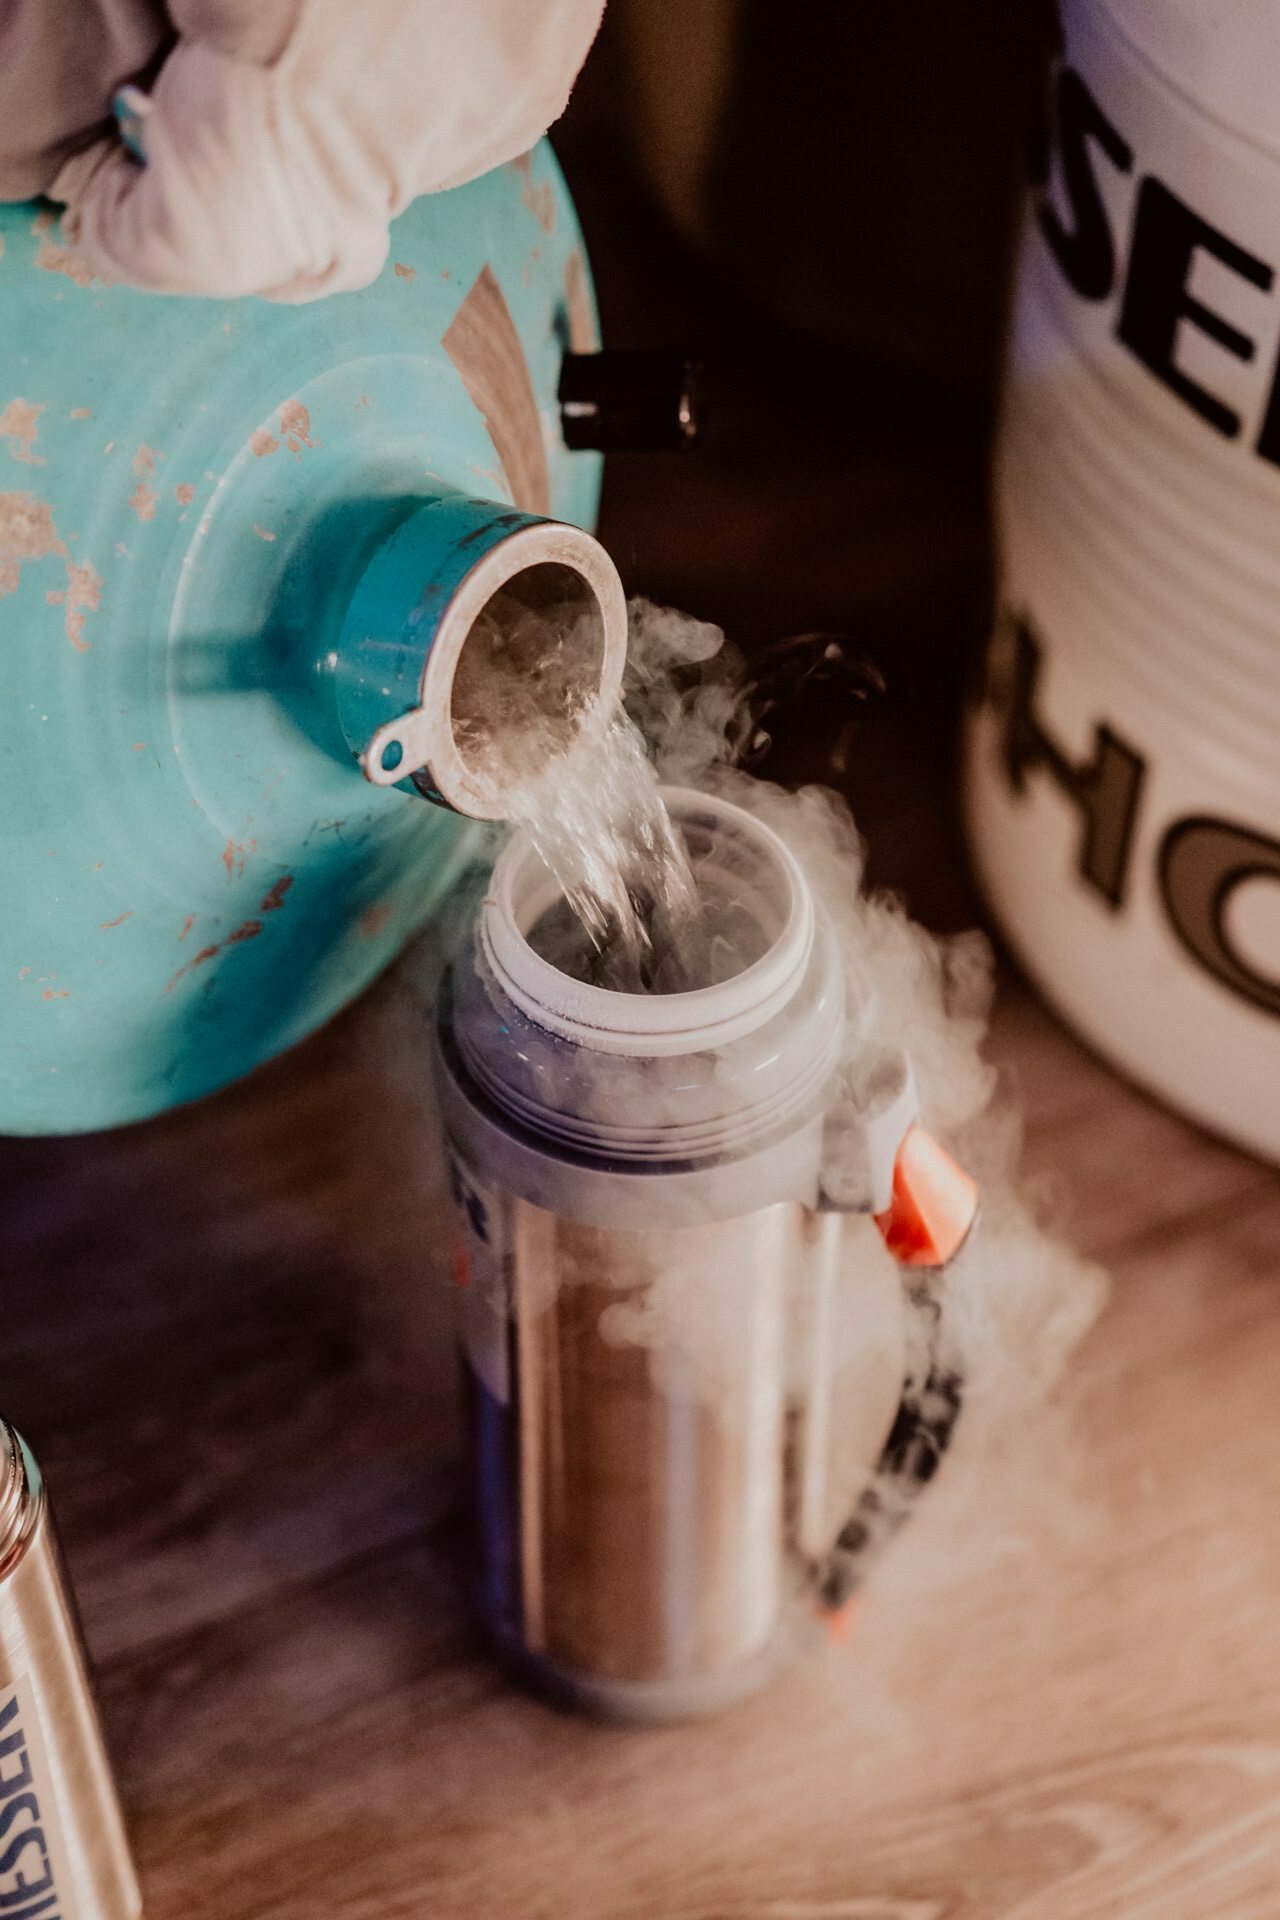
{"type": "Point", "coordinates": [221, 1336]}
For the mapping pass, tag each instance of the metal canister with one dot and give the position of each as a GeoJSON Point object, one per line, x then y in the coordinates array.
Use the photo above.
{"type": "Point", "coordinates": [64, 1854]}
{"type": "Point", "coordinates": [684, 1342]}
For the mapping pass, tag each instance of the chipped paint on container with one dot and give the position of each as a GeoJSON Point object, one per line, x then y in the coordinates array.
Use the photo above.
{"type": "Point", "coordinates": [1123, 778]}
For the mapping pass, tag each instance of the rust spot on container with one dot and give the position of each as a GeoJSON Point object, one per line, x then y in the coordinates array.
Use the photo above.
{"type": "Point", "coordinates": [247, 930]}
{"type": "Point", "coordinates": [144, 462]}
{"type": "Point", "coordinates": [274, 899]}
{"type": "Point", "coordinates": [117, 922]}
{"type": "Point", "coordinates": [19, 425]}
{"type": "Point", "coordinates": [583, 334]}
{"type": "Point", "coordinates": [263, 442]}
{"type": "Point", "coordinates": [82, 413]}
{"type": "Point", "coordinates": [82, 594]}
{"type": "Point", "coordinates": [262, 532]}
{"type": "Point", "coordinates": [139, 746]}
{"type": "Point", "coordinates": [59, 993]}
{"type": "Point", "coordinates": [23, 972]}
{"type": "Point", "coordinates": [27, 533]}
{"type": "Point", "coordinates": [373, 920]}
{"type": "Point", "coordinates": [184, 493]}
{"type": "Point", "coordinates": [234, 857]}
{"type": "Point", "coordinates": [51, 258]}
{"type": "Point", "coordinates": [406, 273]}
{"type": "Point", "coordinates": [205, 953]}
{"type": "Point", "coordinates": [143, 501]}
{"type": "Point", "coordinates": [538, 196]}
{"type": "Point", "coordinates": [295, 425]}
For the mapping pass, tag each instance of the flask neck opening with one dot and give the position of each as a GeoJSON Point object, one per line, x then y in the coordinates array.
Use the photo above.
{"type": "Point", "coordinates": [728, 848]}
{"type": "Point", "coordinates": [478, 643]}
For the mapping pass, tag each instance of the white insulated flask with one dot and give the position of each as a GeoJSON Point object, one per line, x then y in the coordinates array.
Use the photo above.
{"type": "Point", "coordinates": [684, 1339]}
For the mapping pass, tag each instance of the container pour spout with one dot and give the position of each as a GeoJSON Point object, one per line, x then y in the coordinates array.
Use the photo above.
{"type": "Point", "coordinates": [479, 641]}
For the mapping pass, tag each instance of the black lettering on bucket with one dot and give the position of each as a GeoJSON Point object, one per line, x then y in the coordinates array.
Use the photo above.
{"type": "Point", "coordinates": [1202, 862]}
{"type": "Point", "coordinates": [1085, 251]}
{"type": "Point", "coordinates": [1106, 788]}
{"type": "Point", "coordinates": [1167, 236]}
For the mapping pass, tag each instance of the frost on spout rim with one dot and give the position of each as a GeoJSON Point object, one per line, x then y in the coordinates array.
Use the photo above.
{"type": "Point", "coordinates": [413, 615]}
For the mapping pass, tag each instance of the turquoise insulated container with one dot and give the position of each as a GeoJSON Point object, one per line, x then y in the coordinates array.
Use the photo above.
{"type": "Point", "coordinates": [241, 549]}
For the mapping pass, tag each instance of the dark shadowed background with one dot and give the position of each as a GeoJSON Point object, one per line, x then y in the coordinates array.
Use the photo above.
{"type": "Point", "coordinates": [820, 202]}
{"type": "Point", "coordinates": [821, 199]}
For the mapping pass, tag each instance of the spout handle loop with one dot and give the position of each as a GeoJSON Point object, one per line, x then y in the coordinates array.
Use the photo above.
{"type": "Point", "coordinates": [932, 1399]}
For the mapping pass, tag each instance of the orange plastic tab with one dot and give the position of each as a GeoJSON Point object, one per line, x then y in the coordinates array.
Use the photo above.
{"type": "Point", "coordinates": [934, 1204]}
{"type": "Point", "coordinates": [839, 1621]}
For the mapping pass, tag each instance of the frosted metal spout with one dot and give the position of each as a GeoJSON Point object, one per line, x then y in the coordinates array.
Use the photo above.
{"type": "Point", "coordinates": [478, 640]}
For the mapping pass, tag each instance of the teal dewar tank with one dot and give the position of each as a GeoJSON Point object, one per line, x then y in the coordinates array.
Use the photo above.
{"type": "Point", "coordinates": [241, 549]}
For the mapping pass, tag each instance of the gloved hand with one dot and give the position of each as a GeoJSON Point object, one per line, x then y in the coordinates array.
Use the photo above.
{"type": "Point", "coordinates": [282, 136]}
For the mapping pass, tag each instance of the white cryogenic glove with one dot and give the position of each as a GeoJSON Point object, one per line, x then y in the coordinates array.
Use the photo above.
{"type": "Point", "coordinates": [282, 136]}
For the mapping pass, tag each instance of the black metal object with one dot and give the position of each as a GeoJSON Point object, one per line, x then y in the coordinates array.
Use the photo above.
{"type": "Point", "coordinates": [626, 400]}
{"type": "Point", "coordinates": [802, 700]}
